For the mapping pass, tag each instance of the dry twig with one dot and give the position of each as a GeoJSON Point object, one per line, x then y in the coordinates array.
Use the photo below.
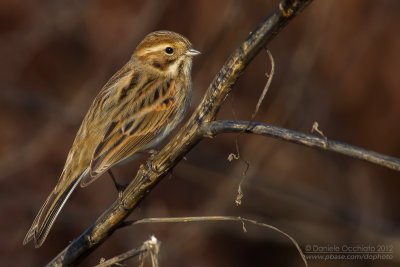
{"type": "Point", "coordinates": [149, 248]}
{"type": "Point", "coordinates": [227, 126]}
{"type": "Point", "coordinates": [218, 218]}
{"type": "Point", "coordinates": [236, 156]}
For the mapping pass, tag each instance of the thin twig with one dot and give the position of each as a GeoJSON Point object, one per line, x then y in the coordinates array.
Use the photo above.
{"type": "Point", "coordinates": [152, 250]}
{"type": "Point", "coordinates": [123, 257]}
{"type": "Point", "coordinates": [270, 75]}
{"type": "Point", "coordinates": [315, 127]}
{"type": "Point", "coordinates": [217, 218]}
{"type": "Point", "coordinates": [227, 126]}
{"type": "Point", "coordinates": [149, 247]}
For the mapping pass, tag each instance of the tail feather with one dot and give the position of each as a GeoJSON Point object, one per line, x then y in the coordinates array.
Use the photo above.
{"type": "Point", "coordinates": [48, 213]}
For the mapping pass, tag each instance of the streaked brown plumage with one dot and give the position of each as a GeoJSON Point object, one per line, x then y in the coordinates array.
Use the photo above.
{"type": "Point", "coordinates": [136, 109]}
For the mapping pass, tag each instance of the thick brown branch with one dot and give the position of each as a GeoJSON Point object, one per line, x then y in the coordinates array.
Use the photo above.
{"type": "Point", "coordinates": [189, 135]}
{"type": "Point", "coordinates": [219, 127]}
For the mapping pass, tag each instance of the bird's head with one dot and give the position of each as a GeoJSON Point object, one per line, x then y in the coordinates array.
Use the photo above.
{"type": "Point", "coordinates": [166, 52]}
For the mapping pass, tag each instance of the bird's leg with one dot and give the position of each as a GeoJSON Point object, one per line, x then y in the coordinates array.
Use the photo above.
{"type": "Point", "coordinates": [120, 187]}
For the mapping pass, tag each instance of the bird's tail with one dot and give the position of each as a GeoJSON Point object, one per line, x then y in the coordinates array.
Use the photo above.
{"type": "Point", "coordinates": [48, 213]}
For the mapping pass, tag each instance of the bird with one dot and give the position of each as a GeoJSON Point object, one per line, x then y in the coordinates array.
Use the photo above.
{"type": "Point", "coordinates": [135, 110]}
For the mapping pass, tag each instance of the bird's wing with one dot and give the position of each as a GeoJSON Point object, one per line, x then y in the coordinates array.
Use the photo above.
{"type": "Point", "coordinates": [127, 135]}
{"type": "Point", "coordinates": [94, 126]}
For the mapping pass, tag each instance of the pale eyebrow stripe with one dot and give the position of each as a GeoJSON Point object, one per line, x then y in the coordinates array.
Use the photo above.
{"type": "Point", "coordinates": [154, 48]}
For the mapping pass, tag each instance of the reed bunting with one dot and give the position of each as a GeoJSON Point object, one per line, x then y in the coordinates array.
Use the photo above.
{"type": "Point", "coordinates": [136, 109]}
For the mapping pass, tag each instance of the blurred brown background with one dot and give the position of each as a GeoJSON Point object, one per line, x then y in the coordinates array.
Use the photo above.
{"type": "Point", "coordinates": [337, 63]}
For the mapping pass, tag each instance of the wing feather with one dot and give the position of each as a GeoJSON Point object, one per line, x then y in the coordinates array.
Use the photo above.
{"type": "Point", "coordinates": [133, 134]}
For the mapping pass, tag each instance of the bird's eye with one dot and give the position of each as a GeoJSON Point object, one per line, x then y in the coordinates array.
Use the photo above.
{"type": "Point", "coordinates": [169, 50]}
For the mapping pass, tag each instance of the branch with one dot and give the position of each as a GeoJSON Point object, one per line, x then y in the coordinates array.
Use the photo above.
{"type": "Point", "coordinates": [149, 248]}
{"type": "Point", "coordinates": [219, 127]}
{"type": "Point", "coordinates": [121, 258]}
{"type": "Point", "coordinates": [189, 135]}
{"type": "Point", "coordinates": [219, 218]}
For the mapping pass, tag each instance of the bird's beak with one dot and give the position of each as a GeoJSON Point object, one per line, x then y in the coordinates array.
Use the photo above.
{"type": "Point", "coordinates": [192, 52]}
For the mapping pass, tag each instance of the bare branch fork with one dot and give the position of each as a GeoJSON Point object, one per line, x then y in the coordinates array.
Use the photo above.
{"type": "Point", "coordinates": [202, 124]}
